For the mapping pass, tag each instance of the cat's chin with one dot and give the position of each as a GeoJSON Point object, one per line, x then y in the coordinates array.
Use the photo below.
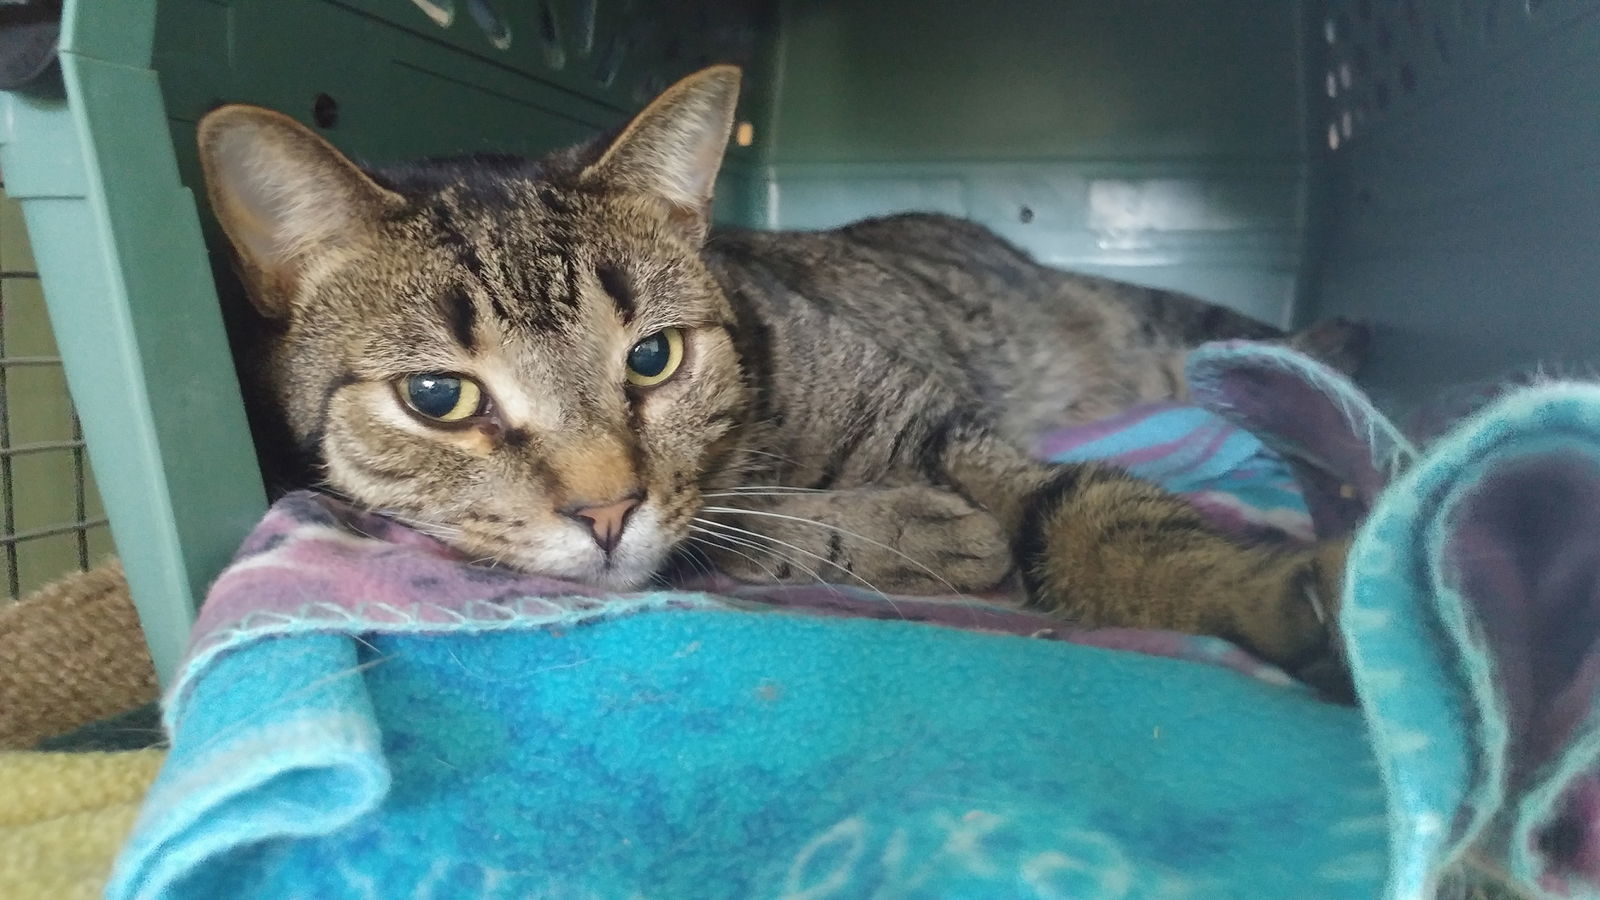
{"type": "Point", "coordinates": [623, 581]}
{"type": "Point", "coordinates": [620, 575]}
{"type": "Point", "coordinates": [624, 572]}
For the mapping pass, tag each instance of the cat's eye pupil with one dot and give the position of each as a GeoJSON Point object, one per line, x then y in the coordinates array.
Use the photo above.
{"type": "Point", "coordinates": [434, 395]}
{"type": "Point", "coordinates": [650, 356]}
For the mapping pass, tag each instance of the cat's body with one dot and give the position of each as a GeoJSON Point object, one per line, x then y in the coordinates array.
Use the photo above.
{"type": "Point", "coordinates": [884, 318]}
{"type": "Point", "coordinates": [557, 365]}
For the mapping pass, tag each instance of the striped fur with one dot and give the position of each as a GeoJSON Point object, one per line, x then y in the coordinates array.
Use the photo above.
{"type": "Point", "coordinates": [853, 403]}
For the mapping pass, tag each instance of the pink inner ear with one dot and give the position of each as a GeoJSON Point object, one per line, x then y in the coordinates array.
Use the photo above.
{"type": "Point", "coordinates": [1525, 552]}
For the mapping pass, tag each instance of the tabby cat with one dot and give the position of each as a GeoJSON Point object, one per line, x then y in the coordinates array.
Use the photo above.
{"type": "Point", "coordinates": [558, 365]}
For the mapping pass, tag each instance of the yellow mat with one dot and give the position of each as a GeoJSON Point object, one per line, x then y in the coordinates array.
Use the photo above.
{"type": "Point", "coordinates": [63, 817]}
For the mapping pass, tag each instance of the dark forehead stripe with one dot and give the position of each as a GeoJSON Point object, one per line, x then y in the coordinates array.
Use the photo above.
{"type": "Point", "coordinates": [462, 317]}
{"type": "Point", "coordinates": [553, 201]}
{"type": "Point", "coordinates": [445, 222]}
{"type": "Point", "coordinates": [525, 264]}
{"type": "Point", "coordinates": [615, 283]}
{"type": "Point", "coordinates": [544, 291]}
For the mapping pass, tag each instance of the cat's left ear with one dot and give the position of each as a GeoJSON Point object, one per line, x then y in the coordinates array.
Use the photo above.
{"type": "Point", "coordinates": [673, 149]}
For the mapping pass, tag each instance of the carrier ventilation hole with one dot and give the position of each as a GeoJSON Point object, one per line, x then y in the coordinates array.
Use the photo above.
{"type": "Point", "coordinates": [1346, 125]}
{"type": "Point", "coordinates": [442, 12]}
{"type": "Point", "coordinates": [325, 111]}
{"type": "Point", "coordinates": [1330, 32]}
{"type": "Point", "coordinates": [1333, 85]}
{"type": "Point", "coordinates": [490, 23]}
{"type": "Point", "coordinates": [1333, 137]}
{"type": "Point", "coordinates": [583, 19]}
{"type": "Point", "coordinates": [745, 134]}
{"type": "Point", "coordinates": [555, 56]}
{"type": "Point", "coordinates": [1346, 77]}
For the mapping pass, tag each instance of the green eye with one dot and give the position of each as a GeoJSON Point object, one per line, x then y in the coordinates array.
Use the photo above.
{"type": "Point", "coordinates": [654, 359]}
{"type": "Point", "coordinates": [443, 398]}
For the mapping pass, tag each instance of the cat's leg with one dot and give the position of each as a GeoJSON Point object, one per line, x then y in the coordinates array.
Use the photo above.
{"type": "Point", "coordinates": [912, 540]}
{"type": "Point", "coordinates": [1102, 548]}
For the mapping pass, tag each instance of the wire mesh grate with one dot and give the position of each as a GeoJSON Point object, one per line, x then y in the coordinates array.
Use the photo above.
{"type": "Point", "coordinates": [51, 522]}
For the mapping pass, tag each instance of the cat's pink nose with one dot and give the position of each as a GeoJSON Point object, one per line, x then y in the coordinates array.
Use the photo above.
{"type": "Point", "coordinates": [605, 520]}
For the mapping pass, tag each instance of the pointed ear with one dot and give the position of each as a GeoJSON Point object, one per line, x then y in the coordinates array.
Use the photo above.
{"type": "Point", "coordinates": [673, 149]}
{"type": "Point", "coordinates": [284, 197]}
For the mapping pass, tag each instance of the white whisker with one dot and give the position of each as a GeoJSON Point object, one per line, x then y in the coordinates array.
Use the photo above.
{"type": "Point", "coordinates": [870, 586]}
{"type": "Point", "coordinates": [847, 533]}
{"type": "Point", "coordinates": [706, 539]}
{"type": "Point", "coordinates": [700, 563]}
{"type": "Point", "coordinates": [771, 553]}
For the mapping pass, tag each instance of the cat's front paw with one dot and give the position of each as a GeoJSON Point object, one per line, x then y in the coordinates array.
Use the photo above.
{"type": "Point", "coordinates": [936, 542]}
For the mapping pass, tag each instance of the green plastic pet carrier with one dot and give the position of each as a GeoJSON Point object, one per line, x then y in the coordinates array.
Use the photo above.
{"type": "Point", "coordinates": [1426, 165]}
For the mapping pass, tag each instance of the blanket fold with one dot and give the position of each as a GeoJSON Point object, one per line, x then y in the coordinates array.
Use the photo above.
{"type": "Point", "coordinates": [1475, 632]}
{"type": "Point", "coordinates": [1472, 608]}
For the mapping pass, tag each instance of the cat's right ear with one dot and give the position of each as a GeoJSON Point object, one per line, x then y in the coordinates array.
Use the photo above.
{"type": "Point", "coordinates": [672, 150]}
{"type": "Point", "coordinates": [285, 197]}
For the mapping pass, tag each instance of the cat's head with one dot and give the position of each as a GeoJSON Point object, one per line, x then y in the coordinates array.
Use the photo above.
{"type": "Point", "coordinates": [527, 359]}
